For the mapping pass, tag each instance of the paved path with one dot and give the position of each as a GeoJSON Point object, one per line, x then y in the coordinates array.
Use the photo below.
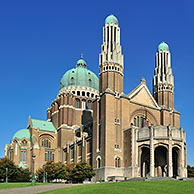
{"type": "Point", "coordinates": [36, 189]}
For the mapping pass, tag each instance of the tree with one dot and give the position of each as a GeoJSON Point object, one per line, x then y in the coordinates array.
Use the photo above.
{"type": "Point", "coordinates": [82, 171]}
{"type": "Point", "coordinates": [6, 163]}
{"type": "Point", "coordinates": [60, 171]}
{"type": "Point", "coordinates": [23, 175]}
{"type": "Point", "coordinates": [69, 171]}
{"type": "Point", "coordinates": [53, 170]}
{"type": "Point", "coordinates": [190, 170]}
{"type": "Point", "coordinates": [14, 173]}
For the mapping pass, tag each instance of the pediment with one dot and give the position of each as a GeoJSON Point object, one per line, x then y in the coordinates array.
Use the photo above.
{"type": "Point", "coordinates": [142, 95]}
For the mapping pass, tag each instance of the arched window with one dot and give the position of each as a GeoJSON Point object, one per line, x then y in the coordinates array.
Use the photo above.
{"type": "Point", "coordinates": [98, 163]}
{"type": "Point", "coordinates": [46, 143]}
{"type": "Point", "coordinates": [78, 103]}
{"type": "Point", "coordinates": [117, 162]}
{"type": "Point", "coordinates": [24, 143]}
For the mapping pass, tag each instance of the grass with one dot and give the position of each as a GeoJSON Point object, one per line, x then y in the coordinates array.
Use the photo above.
{"type": "Point", "coordinates": [134, 187]}
{"type": "Point", "coordinates": [14, 185]}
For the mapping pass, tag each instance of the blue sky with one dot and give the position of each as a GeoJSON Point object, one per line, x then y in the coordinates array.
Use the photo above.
{"type": "Point", "coordinates": [41, 40]}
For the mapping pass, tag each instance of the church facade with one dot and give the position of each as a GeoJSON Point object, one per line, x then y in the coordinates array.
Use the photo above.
{"type": "Point", "coordinates": [120, 135]}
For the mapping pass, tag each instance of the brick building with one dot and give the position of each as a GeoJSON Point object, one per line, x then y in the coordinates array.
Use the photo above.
{"type": "Point", "coordinates": [120, 135]}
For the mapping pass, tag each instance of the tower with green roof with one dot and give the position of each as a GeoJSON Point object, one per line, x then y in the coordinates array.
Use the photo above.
{"type": "Point", "coordinates": [111, 57]}
{"type": "Point", "coordinates": [163, 81]}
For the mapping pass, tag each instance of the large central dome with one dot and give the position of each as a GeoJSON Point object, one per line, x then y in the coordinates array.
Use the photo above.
{"type": "Point", "coordinates": [79, 76]}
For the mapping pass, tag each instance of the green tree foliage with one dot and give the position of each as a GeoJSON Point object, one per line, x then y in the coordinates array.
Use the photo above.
{"type": "Point", "coordinates": [190, 170]}
{"type": "Point", "coordinates": [53, 171]}
{"type": "Point", "coordinates": [70, 172]}
{"type": "Point", "coordinates": [60, 172]}
{"type": "Point", "coordinates": [14, 173]}
{"type": "Point", "coordinates": [81, 172]}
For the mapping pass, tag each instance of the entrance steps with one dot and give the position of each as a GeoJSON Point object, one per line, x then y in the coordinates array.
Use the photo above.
{"type": "Point", "coordinates": [159, 178]}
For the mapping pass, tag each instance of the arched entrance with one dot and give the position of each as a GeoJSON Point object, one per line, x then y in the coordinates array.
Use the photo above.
{"type": "Point", "coordinates": [145, 162]}
{"type": "Point", "coordinates": [175, 158]}
{"type": "Point", "coordinates": [160, 154]}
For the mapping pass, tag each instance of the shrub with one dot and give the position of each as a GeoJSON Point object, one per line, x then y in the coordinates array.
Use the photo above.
{"type": "Point", "coordinates": [190, 170]}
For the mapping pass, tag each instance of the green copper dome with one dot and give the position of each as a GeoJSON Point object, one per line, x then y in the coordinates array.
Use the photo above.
{"type": "Point", "coordinates": [81, 62]}
{"type": "Point", "coordinates": [79, 76]}
{"type": "Point", "coordinates": [163, 47]}
{"type": "Point", "coordinates": [111, 19]}
{"type": "Point", "coordinates": [21, 134]}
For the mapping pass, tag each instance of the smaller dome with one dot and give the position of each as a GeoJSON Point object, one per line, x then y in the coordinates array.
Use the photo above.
{"type": "Point", "coordinates": [21, 134]}
{"type": "Point", "coordinates": [81, 62]}
{"type": "Point", "coordinates": [163, 47]}
{"type": "Point", "coordinates": [111, 19]}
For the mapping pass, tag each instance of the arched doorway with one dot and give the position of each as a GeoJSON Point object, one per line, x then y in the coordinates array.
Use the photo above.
{"type": "Point", "coordinates": [145, 162]}
{"type": "Point", "coordinates": [160, 154]}
{"type": "Point", "coordinates": [175, 158]}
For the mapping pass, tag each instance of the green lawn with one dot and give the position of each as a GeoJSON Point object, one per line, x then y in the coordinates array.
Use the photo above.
{"type": "Point", "coordinates": [14, 185]}
{"type": "Point", "coordinates": [134, 187]}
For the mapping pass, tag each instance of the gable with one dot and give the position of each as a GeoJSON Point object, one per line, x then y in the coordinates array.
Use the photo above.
{"type": "Point", "coordinates": [142, 95]}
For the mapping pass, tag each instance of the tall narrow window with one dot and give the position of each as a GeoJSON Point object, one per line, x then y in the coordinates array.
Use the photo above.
{"type": "Point", "coordinates": [117, 162]}
{"type": "Point", "coordinates": [98, 163]}
{"type": "Point", "coordinates": [115, 34]}
{"type": "Point", "coordinates": [46, 158]}
{"type": "Point", "coordinates": [83, 104]}
{"type": "Point", "coordinates": [137, 121]}
{"type": "Point", "coordinates": [142, 122]}
{"type": "Point", "coordinates": [89, 104]}
{"type": "Point", "coordinates": [23, 156]}
{"type": "Point", "coordinates": [111, 39]}
{"type": "Point", "coordinates": [21, 159]}
{"type": "Point", "coordinates": [99, 127]}
{"type": "Point", "coordinates": [78, 103]}
{"type": "Point", "coordinates": [59, 158]}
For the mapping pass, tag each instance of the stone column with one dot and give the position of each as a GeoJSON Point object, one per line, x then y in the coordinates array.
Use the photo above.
{"type": "Point", "coordinates": [182, 174]}
{"type": "Point", "coordinates": [152, 164]}
{"type": "Point", "coordinates": [170, 168]}
{"type": "Point", "coordinates": [133, 150]}
{"type": "Point", "coordinates": [75, 153]}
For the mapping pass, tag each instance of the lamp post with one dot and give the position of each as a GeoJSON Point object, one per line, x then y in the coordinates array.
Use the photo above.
{"type": "Point", "coordinates": [44, 173]}
{"type": "Point", "coordinates": [46, 177]}
{"type": "Point", "coordinates": [6, 178]}
{"type": "Point", "coordinates": [33, 175]}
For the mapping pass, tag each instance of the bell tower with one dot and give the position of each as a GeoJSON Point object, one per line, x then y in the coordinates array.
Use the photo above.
{"type": "Point", "coordinates": [111, 58]}
{"type": "Point", "coordinates": [163, 81]}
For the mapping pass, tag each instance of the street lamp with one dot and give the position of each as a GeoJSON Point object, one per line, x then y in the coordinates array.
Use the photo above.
{"type": "Point", "coordinates": [46, 177]}
{"type": "Point", "coordinates": [101, 171]}
{"type": "Point", "coordinates": [44, 173]}
{"type": "Point", "coordinates": [6, 178]}
{"type": "Point", "coordinates": [33, 175]}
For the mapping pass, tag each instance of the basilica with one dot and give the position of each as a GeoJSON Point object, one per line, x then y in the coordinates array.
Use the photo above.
{"type": "Point", "coordinates": [137, 134]}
